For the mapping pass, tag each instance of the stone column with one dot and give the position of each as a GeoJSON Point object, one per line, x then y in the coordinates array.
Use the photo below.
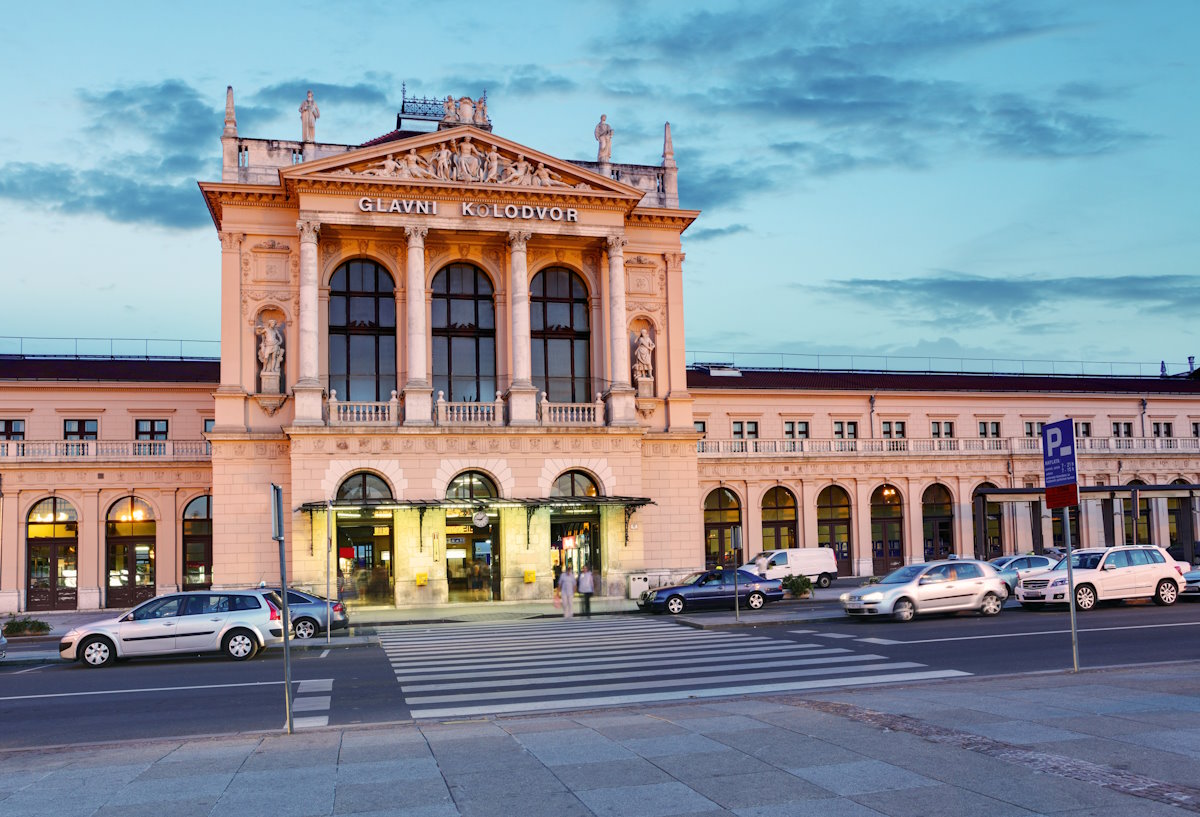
{"type": "Point", "coordinates": [10, 534]}
{"type": "Point", "coordinates": [621, 407]}
{"type": "Point", "coordinates": [308, 388]}
{"type": "Point", "coordinates": [418, 391]}
{"type": "Point", "coordinates": [522, 396]}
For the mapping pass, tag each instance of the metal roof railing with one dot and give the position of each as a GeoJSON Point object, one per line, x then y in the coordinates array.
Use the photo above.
{"type": "Point", "coordinates": [110, 348]}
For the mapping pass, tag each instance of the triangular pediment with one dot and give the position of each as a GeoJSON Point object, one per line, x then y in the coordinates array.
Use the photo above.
{"type": "Point", "coordinates": [459, 157]}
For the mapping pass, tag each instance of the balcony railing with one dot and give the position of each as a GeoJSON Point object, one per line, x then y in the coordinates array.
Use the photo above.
{"type": "Point", "coordinates": [571, 414]}
{"type": "Point", "coordinates": [364, 413]}
{"type": "Point", "coordinates": [104, 450]}
{"type": "Point", "coordinates": [449, 413]}
{"type": "Point", "coordinates": [970, 446]}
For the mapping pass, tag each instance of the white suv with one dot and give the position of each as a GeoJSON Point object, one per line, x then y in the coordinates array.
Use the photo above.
{"type": "Point", "coordinates": [1105, 574]}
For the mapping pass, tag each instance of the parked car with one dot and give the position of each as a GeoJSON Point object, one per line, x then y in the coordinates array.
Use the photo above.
{"type": "Point", "coordinates": [1012, 568]}
{"type": "Point", "coordinates": [1106, 574]}
{"type": "Point", "coordinates": [1191, 589]}
{"type": "Point", "coordinates": [310, 612]}
{"type": "Point", "coordinates": [712, 588]}
{"type": "Point", "coordinates": [944, 586]}
{"type": "Point", "coordinates": [819, 564]}
{"type": "Point", "coordinates": [237, 623]}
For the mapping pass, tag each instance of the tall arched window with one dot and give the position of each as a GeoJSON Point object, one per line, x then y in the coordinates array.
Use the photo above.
{"type": "Point", "coordinates": [574, 483]}
{"type": "Point", "coordinates": [1137, 526]}
{"type": "Point", "coordinates": [722, 516]}
{"type": "Point", "coordinates": [559, 331]}
{"type": "Point", "coordinates": [362, 332]}
{"type": "Point", "coordinates": [887, 530]}
{"type": "Point", "coordinates": [464, 334]}
{"type": "Point", "coordinates": [778, 519]}
{"type": "Point", "coordinates": [471, 485]}
{"type": "Point", "coordinates": [197, 544]}
{"type": "Point", "coordinates": [52, 539]}
{"type": "Point", "coordinates": [986, 520]}
{"type": "Point", "coordinates": [129, 536]}
{"type": "Point", "coordinates": [937, 514]}
{"type": "Point", "coordinates": [363, 486]}
{"type": "Point", "coordinates": [833, 526]}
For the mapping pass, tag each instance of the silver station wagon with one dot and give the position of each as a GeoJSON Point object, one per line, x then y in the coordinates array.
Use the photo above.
{"type": "Point", "coordinates": [946, 586]}
{"type": "Point", "coordinates": [237, 623]}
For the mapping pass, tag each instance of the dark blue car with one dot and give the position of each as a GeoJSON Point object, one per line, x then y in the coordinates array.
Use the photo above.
{"type": "Point", "coordinates": [712, 588]}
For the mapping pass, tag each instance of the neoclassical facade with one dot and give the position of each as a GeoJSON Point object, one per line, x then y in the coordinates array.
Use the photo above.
{"type": "Point", "coordinates": [462, 360]}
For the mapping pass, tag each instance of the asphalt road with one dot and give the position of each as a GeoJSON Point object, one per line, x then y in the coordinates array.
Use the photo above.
{"type": "Point", "coordinates": [69, 704]}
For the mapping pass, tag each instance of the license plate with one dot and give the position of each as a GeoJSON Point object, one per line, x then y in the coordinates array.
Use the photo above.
{"type": "Point", "coordinates": [1035, 595]}
{"type": "Point", "coordinates": [853, 605]}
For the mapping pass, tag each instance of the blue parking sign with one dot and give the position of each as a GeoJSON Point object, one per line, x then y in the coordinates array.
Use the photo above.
{"type": "Point", "coordinates": [1059, 465]}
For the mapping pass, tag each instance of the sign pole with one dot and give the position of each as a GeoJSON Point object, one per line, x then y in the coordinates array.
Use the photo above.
{"type": "Point", "coordinates": [328, 557]}
{"type": "Point", "coordinates": [1071, 589]}
{"type": "Point", "coordinates": [737, 564]}
{"type": "Point", "coordinates": [1062, 491]}
{"type": "Point", "coordinates": [277, 535]}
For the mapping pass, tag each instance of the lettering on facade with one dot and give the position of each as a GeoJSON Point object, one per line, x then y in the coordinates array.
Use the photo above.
{"type": "Point", "coordinates": [369, 205]}
{"type": "Point", "coordinates": [470, 208]}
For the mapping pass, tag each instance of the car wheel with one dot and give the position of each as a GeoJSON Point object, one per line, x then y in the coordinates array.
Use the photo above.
{"type": "Point", "coordinates": [903, 610]}
{"type": "Point", "coordinates": [675, 605]}
{"type": "Point", "coordinates": [1032, 605]}
{"type": "Point", "coordinates": [97, 652]}
{"type": "Point", "coordinates": [1167, 593]}
{"type": "Point", "coordinates": [305, 628]}
{"type": "Point", "coordinates": [240, 645]}
{"type": "Point", "coordinates": [756, 601]}
{"type": "Point", "coordinates": [992, 605]}
{"type": "Point", "coordinates": [824, 580]}
{"type": "Point", "coordinates": [1085, 597]}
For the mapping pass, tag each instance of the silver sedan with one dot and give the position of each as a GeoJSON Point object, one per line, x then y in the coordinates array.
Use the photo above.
{"type": "Point", "coordinates": [930, 587]}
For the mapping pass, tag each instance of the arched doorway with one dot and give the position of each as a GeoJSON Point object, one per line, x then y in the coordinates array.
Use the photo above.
{"type": "Point", "coordinates": [1182, 543]}
{"type": "Point", "coordinates": [197, 544]}
{"type": "Point", "coordinates": [366, 575]}
{"type": "Point", "coordinates": [1137, 519]}
{"type": "Point", "coordinates": [129, 537]}
{"type": "Point", "coordinates": [722, 516]}
{"type": "Point", "coordinates": [937, 513]}
{"type": "Point", "coordinates": [473, 557]}
{"type": "Point", "coordinates": [575, 532]}
{"type": "Point", "coordinates": [779, 519]}
{"type": "Point", "coordinates": [52, 540]}
{"type": "Point", "coordinates": [887, 530]}
{"type": "Point", "coordinates": [833, 526]}
{"type": "Point", "coordinates": [985, 521]}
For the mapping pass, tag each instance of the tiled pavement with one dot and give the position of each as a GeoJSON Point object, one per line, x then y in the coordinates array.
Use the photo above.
{"type": "Point", "coordinates": [1112, 742]}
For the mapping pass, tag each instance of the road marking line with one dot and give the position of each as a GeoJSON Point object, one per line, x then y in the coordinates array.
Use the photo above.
{"type": "Point", "coordinates": [883, 641]}
{"type": "Point", "coordinates": [323, 653]}
{"type": "Point", "coordinates": [1053, 632]}
{"type": "Point", "coordinates": [833, 635]}
{"type": "Point", "coordinates": [652, 697]}
{"type": "Point", "coordinates": [143, 689]}
{"type": "Point", "coordinates": [31, 669]}
{"type": "Point", "coordinates": [317, 685]}
{"type": "Point", "coordinates": [310, 721]}
{"type": "Point", "coordinates": [313, 703]}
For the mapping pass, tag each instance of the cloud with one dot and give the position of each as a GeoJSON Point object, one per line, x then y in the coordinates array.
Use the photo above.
{"type": "Point", "coordinates": [709, 233]}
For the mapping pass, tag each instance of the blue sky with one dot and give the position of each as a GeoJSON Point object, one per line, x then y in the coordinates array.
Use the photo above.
{"type": "Point", "coordinates": [952, 179]}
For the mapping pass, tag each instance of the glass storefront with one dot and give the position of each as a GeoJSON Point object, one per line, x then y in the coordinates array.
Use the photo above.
{"type": "Point", "coordinates": [51, 534]}
{"type": "Point", "coordinates": [129, 533]}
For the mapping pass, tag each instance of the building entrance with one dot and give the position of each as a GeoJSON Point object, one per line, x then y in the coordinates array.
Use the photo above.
{"type": "Point", "coordinates": [574, 540]}
{"type": "Point", "coordinates": [473, 556]}
{"type": "Point", "coordinates": [365, 573]}
{"type": "Point", "coordinates": [52, 575]}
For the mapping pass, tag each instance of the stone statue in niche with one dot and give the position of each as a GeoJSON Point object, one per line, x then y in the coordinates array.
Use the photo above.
{"type": "Point", "coordinates": [643, 360]}
{"type": "Point", "coordinates": [604, 134]}
{"type": "Point", "coordinates": [270, 355]}
{"type": "Point", "coordinates": [309, 114]}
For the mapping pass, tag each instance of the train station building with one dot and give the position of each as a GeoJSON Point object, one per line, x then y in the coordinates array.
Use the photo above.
{"type": "Point", "coordinates": [463, 361]}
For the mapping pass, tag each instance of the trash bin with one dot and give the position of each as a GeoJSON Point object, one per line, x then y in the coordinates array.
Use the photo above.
{"type": "Point", "coordinates": [638, 584]}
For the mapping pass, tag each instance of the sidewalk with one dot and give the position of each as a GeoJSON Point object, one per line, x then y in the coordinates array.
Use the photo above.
{"type": "Point", "coordinates": [1101, 742]}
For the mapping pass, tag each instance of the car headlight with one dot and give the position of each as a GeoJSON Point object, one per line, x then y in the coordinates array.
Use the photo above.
{"type": "Point", "coordinates": [872, 598]}
{"type": "Point", "coordinates": [1058, 582]}
{"type": "Point", "coordinates": [845, 597]}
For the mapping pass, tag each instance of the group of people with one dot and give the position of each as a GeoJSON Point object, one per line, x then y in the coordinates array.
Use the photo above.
{"type": "Point", "coordinates": [568, 585]}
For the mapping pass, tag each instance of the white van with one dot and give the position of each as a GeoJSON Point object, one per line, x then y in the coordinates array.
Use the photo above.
{"type": "Point", "coordinates": [819, 564]}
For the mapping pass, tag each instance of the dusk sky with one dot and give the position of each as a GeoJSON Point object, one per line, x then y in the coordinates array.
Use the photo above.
{"type": "Point", "coordinates": [956, 179]}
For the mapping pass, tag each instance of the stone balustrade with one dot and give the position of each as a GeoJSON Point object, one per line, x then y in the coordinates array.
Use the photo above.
{"type": "Point", "coordinates": [455, 413]}
{"type": "Point", "coordinates": [104, 450]}
{"type": "Point", "coordinates": [571, 414]}
{"type": "Point", "coordinates": [364, 413]}
{"type": "Point", "coordinates": [924, 446]}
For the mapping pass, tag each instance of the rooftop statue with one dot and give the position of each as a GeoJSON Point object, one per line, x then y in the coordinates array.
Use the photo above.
{"type": "Point", "coordinates": [309, 114]}
{"type": "Point", "coordinates": [604, 135]}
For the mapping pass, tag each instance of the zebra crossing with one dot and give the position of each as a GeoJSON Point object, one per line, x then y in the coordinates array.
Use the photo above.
{"type": "Point", "coordinates": [512, 667]}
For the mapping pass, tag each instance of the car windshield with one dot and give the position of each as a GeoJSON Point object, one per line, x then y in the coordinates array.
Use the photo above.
{"type": "Point", "coordinates": [1001, 562]}
{"type": "Point", "coordinates": [904, 574]}
{"type": "Point", "coordinates": [692, 578]}
{"type": "Point", "coordinates": [1080, 561]}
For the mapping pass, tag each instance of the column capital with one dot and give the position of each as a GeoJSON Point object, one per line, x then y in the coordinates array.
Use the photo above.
{"type": "Point", "coordinates": [616, 243]}
{"type": "Point", "coordinates": [231, 241]}
{"type": "Point", "coordinates": [517, 238]}
{"type": "Point", "coordinates": [309, 231]}
{"type": "Point", "coordinates": [675, 259]}
{"type": "Point", "coordinates": [416, 235]}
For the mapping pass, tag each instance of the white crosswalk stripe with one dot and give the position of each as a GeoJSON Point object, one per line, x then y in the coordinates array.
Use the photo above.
{"type": "Point", "coordinates": [459, 670]}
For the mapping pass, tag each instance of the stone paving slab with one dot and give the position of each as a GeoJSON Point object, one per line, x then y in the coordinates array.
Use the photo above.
{"type": "Point", "coordinates": [844, 753]}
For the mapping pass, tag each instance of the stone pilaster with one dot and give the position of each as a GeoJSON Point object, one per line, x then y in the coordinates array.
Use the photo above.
{"type": "Point", "coordinates": [621, 406]}
{"type": "Point", "coordinates": [418, 391]}
{"type": "Point", "coordinates": [522, 396]}
{"type": "Point", "coordinates": [308, 388]}
{"type": "Point", "coordinates": [229, 400]}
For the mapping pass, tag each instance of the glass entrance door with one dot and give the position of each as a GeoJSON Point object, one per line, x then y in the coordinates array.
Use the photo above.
{"type": "Point", "coordinates": [130, 571]}
{"type": "Point", "coordinates": [52, 576]}
{"type": "Point", "coordinates": [836, 534]}
{"type": "Point", "coordinates": [366, 577]}
{"type": "Point", "coordinates": [473, 571]}
{"type": "Point", "coordinates": [887, 548]}
{"type": "Point", "coordinates": [939, 541]}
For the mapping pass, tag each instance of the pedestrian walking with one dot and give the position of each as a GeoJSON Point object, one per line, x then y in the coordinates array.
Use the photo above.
{"type": "Point", "coordinates": [566, 589]}
{"type": "Point", "coordinates": [587, 586]}
{"type": "Point", "coordinates": [760, 564]}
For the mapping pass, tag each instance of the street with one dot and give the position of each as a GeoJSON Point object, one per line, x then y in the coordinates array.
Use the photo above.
{"type": "Point", "coordinates": [453, 671]}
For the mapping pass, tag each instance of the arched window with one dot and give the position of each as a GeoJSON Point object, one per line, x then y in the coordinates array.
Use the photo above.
{"type": "Point", "coordinates": [363, 486]}
{"type": "Point", "coordinates": [574, 483]}
{"type": "Point", "coordinates": [1182, 542]}
{"type": "Point", "coordinates": [722, 516]}
{"type": "Point", "coordinates": [986, 522]}
{"type": "Point", "coordinates": [464, 335]}
{"type": "Point", "coordinates": [197, 544]}
{"type": "Point", "coordinates": [362, 332]}
{"type": "Point", "coordinates": [833, 526]}
{"type": "Point", "coordinates": [887, 530]}
{"type": "Point", "coordinates": [778, 519]}
{"type": "Point", "coordinates": [559, 331]}
{"type": "Point", "coordinates": [129, 536]}
{"type": "Point", "coordinates": [471, 485]}
{"type": "Point", "coordinates": [52, 540]}
{"type": "Point", "coordinates": [1137, 526]}
{"type": "Point", "coordinates": [937, 513]}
